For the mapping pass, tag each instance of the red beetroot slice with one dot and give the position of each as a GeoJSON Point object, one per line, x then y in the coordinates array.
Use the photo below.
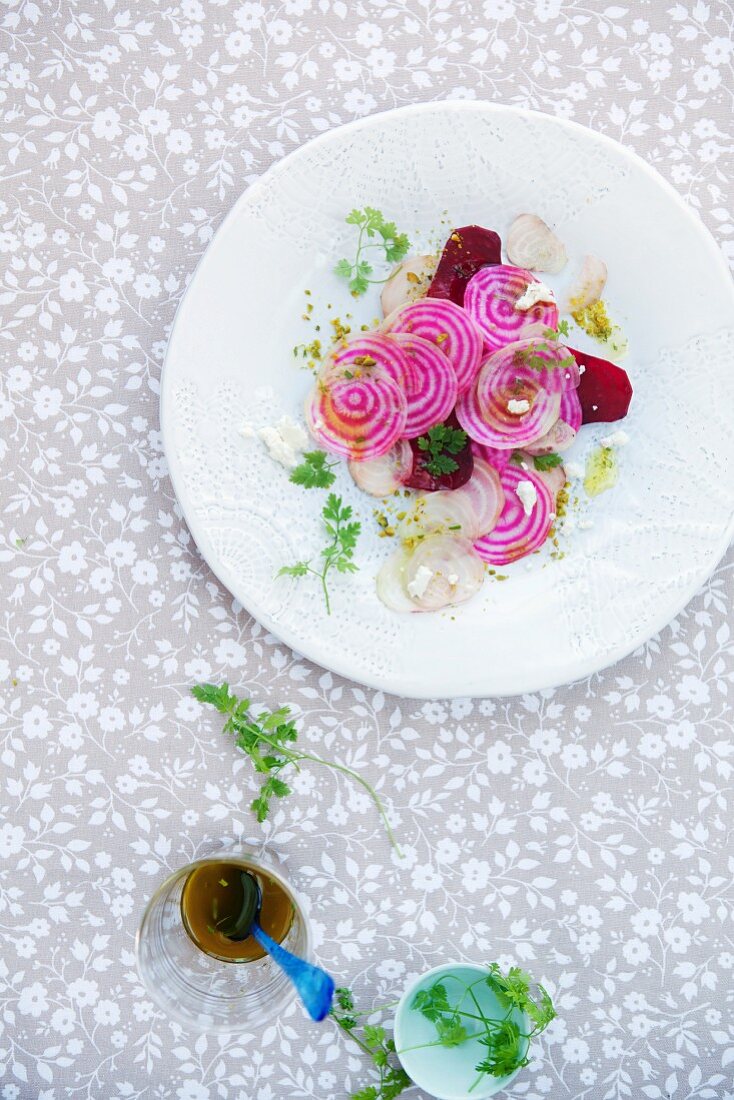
{"type": "Point", "coordinates": [467, 249]}
{"type": "Point", "coordinates": [420, 478]}
{"type": "Point", "coordinates": [604, 391]}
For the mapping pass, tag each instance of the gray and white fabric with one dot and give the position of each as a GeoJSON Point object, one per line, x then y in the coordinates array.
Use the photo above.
{"type": "Point", "coordinates": [584, 832]}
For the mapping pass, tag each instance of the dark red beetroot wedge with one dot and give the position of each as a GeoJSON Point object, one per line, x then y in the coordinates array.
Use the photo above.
{"type": "Point", "coordinates": [605, 390]}
{"type": "Point", "coordinates": [420, 478]}
{"type": "Point", "coordinates": [467, 249]}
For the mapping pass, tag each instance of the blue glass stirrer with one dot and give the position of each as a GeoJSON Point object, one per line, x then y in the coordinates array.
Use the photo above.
{"type": "Point", "coordinates": [314, 986]}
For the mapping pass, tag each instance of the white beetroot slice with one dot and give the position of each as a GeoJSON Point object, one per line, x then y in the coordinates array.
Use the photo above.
{"type": "Point", "coordinates": [533, 245]}
{"type": "Point", "coordinates": [555, 479]}
{"type": "Point", "coordinates": [390, 582]}
{"type": "Point", "coordinates": [485, 493]}
{"type": "Point", "coordinates": [558, 438]}
{"type": "Point", "coordinates": [408, 281]}
{"type": "Point", "coordinates": [446, 512]}
{"type": "Point", "coordinates": [589, 284]}
{"type": "Point", "coordinates": [383, 475]}
{"type": "Point", "coordinates": [442, 570]}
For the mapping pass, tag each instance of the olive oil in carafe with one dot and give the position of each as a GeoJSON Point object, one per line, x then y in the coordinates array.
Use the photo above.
{"type": "Point", "coordinates": [212, 902]}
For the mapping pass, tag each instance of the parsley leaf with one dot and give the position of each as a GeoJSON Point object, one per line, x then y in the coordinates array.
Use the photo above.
{"type": "Point", "coordinates": [439, 444]}
{"type": "Point", "coordinates": [343, 532]}
{"type": "Point", "coordinates": [379, 234]}
{"type": "Point", "coordinates": [546, 462]}
{"type": "Point", "coordinates": [269, 739]}
{"type": "Point", "coordinates": [300, 569]}
{"type": "Point", "coordinates": [374, 1043]}
{"type": "Point", "coordinates": [315, 471]}
{"type": "Point", "coordinates": [448, 1006]}
{"type": "Point", "coordinates": [556, 333]}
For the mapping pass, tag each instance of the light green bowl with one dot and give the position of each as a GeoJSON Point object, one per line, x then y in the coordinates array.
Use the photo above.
{"type": "Point", "coordinates": [447, 1073]}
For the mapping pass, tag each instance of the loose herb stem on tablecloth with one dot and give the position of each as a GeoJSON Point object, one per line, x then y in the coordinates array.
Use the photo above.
{"type": "Point", "coordinates": [269, 740]}
{"type": "Point", "coordinates": [375, 1044]}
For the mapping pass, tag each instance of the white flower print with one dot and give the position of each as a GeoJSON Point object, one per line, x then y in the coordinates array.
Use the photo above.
{"type": "Point", "coordinates": [475, 875]}
{"type": "Point", "coordinates": [156, 120]}
{"type": "Point", "coordinates": [11, 840]}
{"type": "Point", "coordinates": [577, 833]}
{"type": "Point", "coordinates": [646, 922]}
{"type": "Point", "coordinates": [693, 908]}
{"type": "Point", "coordinates": [106, 124]}
{"type": "Point", "coordinates": [36, 722]}
{"type": "Point", "coordinates": [72, 287]}
{"type": "Point", "coordinates": [33, 1000]}
{"type": "Point", "coordinates": [500, 760]}
{"type": "Point", "coordinates": [47, 402]}
{"type": "Point", "coordinates": [72, 558]}
{"type": "Point", "coordinates": [636, 952]}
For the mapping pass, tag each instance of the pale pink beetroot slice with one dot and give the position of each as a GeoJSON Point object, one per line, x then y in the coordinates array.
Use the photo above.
{"type": "Point", "coordinates": [467, 249]}
{"type": "Point", "coordinates": [420, 478]}
{"type": "Point", "coordinates": [604, 391]}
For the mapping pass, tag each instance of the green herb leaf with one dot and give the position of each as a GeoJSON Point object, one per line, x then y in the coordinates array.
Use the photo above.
{"type": "Point", "coordinates": [379, 234]}
{"type": "Point", "coordinates": [546, 462]}
{"type": "Point", "coordinates": [269, 739]}
{"type": "Point", "coordinates": [451, 1032]}
{"type": "Point", "coordinates": [300, 569]}
{"type": "Point", "coordinates": [343, 269]}
{"type": "Point", "coordinates": [506, 1044]}
{"type": "Point", "coordinates": [558, 332]}
{"type": "Point", "coordinates": [439, 444]}
{"type": "Point", "coordinates": [315, 472]}
{"type": "Point", "coordinates": [343, 533]}
{"type": "Point", "coordinates": [374, 1043]}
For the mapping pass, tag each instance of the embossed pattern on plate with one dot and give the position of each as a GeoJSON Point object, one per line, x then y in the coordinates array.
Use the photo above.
{"type": "Point", "coordinates": [653, 539]}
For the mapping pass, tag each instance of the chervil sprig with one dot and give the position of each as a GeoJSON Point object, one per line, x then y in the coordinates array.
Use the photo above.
{"type": "Point", "coordinates": [374, 1042]}
{"type": "Point", "coordinates": [338, 553]}
{"type": "Point", "coordinates": [556, 333]}
{"type": "Point", "coordinates": [458, 1016]}
{"type": "Point", "coordinates": [439, 445]}
{"type": "Point", "coordinates": [315, 471]}
{"type": "Point", "coordinates": [269, 739]}
{"type": "Point", "coordinates": [379, 234]}
{"type": "Point", "coordinates": [546, 462]}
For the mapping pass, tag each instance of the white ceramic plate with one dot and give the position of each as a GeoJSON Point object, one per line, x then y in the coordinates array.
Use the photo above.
{"type": "Point", "coordinates": [654, 538]}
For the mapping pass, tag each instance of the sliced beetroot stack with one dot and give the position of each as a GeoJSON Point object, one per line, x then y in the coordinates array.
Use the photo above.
{"type": "Point", "coordinates": [479, 358]}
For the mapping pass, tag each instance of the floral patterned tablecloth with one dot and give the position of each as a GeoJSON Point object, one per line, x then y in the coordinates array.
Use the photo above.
{"type": "Point", "coordinates": [584, 832]}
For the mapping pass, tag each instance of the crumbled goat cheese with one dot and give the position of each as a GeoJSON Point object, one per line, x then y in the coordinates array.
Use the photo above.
{"type": "Point", "coordinates": [421, 580]}
{"type": "Point", "coordinates": [528, 495]}
{"type": "Point", "coordinates": [453, 578]}
{"type": "Point", "coordinates": [616, 439]}
{"type": "Point", "coordinates": [247, 431]}
{"type": "Point", "coordinates": [534, 293]}
{"type": "Point", "coordinates": [586, 524]}
{"type": "Point", "coordinates": [573, 469]}
{"type": "Point", "coordinates": [582, 368]}
{"type": "Point", "coordinates": [285, 441]}
{"type": "Point", "coordinates": [518, 407]}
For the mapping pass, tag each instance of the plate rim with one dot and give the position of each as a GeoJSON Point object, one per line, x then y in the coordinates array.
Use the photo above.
{"type": "Point", "coordinates": [410, 686]}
